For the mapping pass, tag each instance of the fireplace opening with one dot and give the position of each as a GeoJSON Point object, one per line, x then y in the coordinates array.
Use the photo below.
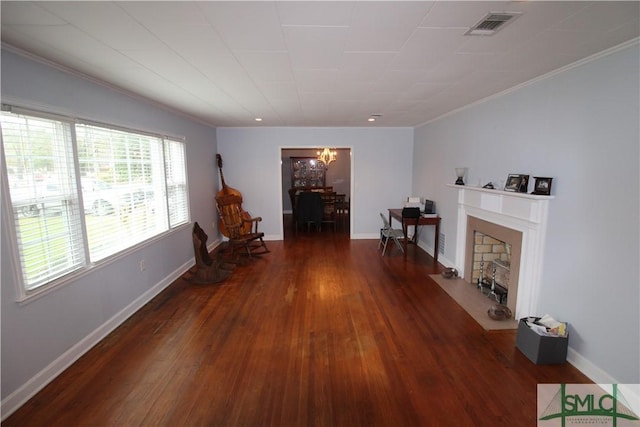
{"type": "Point", "coordinates": [493, 260]}
{"type": "Point", "coordinates": [491, 266]}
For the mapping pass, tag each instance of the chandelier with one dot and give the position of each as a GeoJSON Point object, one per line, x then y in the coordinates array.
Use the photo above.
{"type": "Point", "coordinates": [327, 156]}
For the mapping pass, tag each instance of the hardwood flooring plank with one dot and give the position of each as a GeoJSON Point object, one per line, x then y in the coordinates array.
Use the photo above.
{"type": "Point", "coordinates": [322, 331]}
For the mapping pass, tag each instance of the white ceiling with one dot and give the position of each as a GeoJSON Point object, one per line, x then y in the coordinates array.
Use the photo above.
{"type": "Point", "coordinates": [315, 63]}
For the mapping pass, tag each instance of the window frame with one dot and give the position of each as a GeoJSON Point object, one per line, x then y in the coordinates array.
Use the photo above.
{"type": "Point", "coordinates": [9, 219]}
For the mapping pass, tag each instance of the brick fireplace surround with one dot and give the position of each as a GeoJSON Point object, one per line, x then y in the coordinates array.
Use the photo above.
{"type": "Point", "coordinates": [518, 219]}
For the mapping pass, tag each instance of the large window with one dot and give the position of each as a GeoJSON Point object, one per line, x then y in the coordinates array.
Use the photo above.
{"type": "Point", "coordinates": [83, 192]}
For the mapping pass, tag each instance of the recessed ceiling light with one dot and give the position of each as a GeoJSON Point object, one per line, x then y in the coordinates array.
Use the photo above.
{"type": "Point", "coordinates": [373, 117]}
{"type": "Point", "coordinates": [258, 119]}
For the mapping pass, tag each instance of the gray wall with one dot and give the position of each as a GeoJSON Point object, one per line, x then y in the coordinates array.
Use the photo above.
{"type": "Point", "coordinates": [381, 161]}
{"type": "Point", "coordinates": [580, 127]}
{"type": "Point", "coordinates": [42, 336]}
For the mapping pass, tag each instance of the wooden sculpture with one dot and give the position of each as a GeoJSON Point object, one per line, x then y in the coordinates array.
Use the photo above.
{"type": "Point", "coordinates": [207, 270]}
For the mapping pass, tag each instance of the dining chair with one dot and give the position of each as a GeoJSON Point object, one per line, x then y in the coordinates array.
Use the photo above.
{"type": "Point", "coordinates": [329, 211]}
{"type": "Point", "coordinates": [309, 209]}
{"type": "Point", "coordinates": [342, 210]}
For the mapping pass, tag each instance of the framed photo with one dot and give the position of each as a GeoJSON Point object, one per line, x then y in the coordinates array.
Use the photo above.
{"type": "Point", "coordinates": [542, 186]}
{"type": "Point", "coordinates": [513, 182]}
{"type": "Point", "coordinates": [524, 183]}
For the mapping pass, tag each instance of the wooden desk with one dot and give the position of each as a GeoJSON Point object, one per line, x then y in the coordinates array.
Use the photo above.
{"type": "Point", "coordinates": [406, 222]}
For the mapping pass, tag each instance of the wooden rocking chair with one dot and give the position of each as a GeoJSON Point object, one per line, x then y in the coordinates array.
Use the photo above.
{"type": "Point", "coordinates": [240, 228]}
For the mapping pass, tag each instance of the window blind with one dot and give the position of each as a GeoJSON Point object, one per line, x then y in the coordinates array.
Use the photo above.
{"type": "Point", "coordinates": [85, 191]}
{"type": "Point", "coordinates": [42, 188]}
{"type": "Point", "coordinates": [122, 187]}
{"type": "Point", "coordinates": [177, 190]}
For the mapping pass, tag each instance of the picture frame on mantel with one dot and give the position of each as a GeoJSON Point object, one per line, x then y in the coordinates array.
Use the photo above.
{"type": "Point", "coordinates": [513, 182]}
{"type": "Point", "coordinates": [524, 183]}
{"type": "Point", "coordinates": [542, 186]}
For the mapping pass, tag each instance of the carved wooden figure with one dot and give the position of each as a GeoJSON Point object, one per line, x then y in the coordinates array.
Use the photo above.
{"type": "Point", "coordinates": [208, 270]}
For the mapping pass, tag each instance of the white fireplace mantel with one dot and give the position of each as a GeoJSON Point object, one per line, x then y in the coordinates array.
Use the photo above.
{"type": "Point", "coordinates": [522, 212]}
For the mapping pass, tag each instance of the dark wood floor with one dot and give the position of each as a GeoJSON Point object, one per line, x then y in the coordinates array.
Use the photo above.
{"type": "Point", "coordinates": [322, 331]}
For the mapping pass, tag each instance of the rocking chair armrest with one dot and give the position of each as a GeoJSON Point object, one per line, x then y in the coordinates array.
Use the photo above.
{"type": "Point", "coordinates": [255, 219]}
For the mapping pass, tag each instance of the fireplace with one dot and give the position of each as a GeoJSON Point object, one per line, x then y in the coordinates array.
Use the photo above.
{"type": "Point", "coordinates": [499, 233]}
{"type": "Point", "coordinates": [517, 219]}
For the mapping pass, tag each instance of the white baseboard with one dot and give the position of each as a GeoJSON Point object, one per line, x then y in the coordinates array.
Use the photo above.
{"type": "Point", "coordinates": [19, 397]}
{"type": "Point", "coordinates": [441, 258]}
{"type": "Point", "coordinates": [631, 392]}
{"type": "Point", "coordinates": [364, 236]}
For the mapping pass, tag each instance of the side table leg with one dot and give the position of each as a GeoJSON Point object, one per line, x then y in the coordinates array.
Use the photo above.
{"type": "Point", "coordinates": [405, 231]}
{"type": "Point", "coordinates": [435, 242]}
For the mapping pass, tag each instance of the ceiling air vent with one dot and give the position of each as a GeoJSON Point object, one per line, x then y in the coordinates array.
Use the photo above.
{"type": "Point", "coordinates": [492, 23]}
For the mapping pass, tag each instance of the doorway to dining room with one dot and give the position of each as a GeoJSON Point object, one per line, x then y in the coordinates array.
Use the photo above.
{"type": "Point", "coordinates": [302, 171]}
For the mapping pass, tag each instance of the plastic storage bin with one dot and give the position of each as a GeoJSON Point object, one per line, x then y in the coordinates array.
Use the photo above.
{"type": "Point", "coordinates": [540, 349]}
